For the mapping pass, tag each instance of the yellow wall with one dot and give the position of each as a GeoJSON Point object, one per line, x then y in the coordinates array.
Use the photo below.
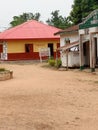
{"type": "Point", "coordinates": [18, 46]}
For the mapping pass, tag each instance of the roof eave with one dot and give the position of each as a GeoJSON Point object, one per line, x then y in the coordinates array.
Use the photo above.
{"type": "Point", "coordinates": [50, 38]}
{"type": "Point", "coordinates": [66, 32]}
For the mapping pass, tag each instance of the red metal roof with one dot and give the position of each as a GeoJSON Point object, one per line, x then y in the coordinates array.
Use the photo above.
{"type": "Point", "coordinates": [30, 30]}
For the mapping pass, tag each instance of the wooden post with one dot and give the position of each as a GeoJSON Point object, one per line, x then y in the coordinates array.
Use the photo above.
{"type": "Point", "coordinates": [57, 57]}
{"type": "Point", "coordinates": [81, 53]}
{"type": "Point", "coordinates": [92, 53]}
{"type": "Point", "coordinates": [97, 46]}
{"type": "Point", "coordinates": [67, 59]}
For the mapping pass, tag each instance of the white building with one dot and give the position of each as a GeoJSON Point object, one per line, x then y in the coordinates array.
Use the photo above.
{"type": "Point", "coordinates": [69, 38]}
{"type": "Point", "coordinates": [88, 41]}
{"type": "Point", "coordinates": [84, 35]}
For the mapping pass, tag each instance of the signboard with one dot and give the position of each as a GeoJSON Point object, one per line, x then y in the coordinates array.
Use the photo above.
{"type": "Point", "coordinates": [44, 52]}
{"type": "Point", "coordinates": [90, 21]}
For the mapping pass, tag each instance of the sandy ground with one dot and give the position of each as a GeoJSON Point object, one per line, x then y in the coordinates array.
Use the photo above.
{"type": "Point", "coordinates": [39, 98]}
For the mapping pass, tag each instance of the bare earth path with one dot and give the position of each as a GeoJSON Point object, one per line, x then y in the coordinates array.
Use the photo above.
{"type": "Point", "coordinates": [39, 98]}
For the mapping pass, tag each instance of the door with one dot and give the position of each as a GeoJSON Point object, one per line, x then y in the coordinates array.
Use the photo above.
{"type": "Point", "coordinates": [86, 54]}
{"type": "Point", "coordinates": [1, 48]}
{"type": "Point", "coordinates": [96, 50]}
{"type": "Point", "coordinates": [50, 45]}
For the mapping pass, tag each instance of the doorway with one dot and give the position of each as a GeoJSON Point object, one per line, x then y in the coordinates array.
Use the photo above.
{"type": "Point", "coordinates": [50, 45]}
{"type": "Point", "coordinates": [1, 48]}
{"type": "Point", "coordinates": [96, 50]}
{"type": "Point", "coordinates": [28, 48]}
{"type": "Point", "coordinates": [86, 54]}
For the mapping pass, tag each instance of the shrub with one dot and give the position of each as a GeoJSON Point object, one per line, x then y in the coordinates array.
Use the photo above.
{"type": "Point", "coordinates": [58, 63]}
{"type": "Point", "coordinates": [51, 62]}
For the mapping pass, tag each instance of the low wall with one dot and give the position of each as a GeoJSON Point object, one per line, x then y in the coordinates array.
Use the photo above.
{"type": "Point", "coordinates": [5, 75]}
{"type": "Point", "coordinates": [73, 59]}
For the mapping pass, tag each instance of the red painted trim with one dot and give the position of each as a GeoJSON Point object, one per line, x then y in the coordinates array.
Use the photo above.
{"type": "Point", "coordinates": [20, 56]}
{"type": "Point", "coordinates": [24, 56]}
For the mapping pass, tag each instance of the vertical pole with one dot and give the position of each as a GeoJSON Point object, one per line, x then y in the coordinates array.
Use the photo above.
{"type": "Point", "coordinates": [40, 59]}
{"type": "Point", "coordinates": [97, 51]}
{"type": "Point", "coordinates": [92, 53]}
{"type": "Point", "coordinates": [66, 59]}
{"type": "Point", "coordinates": [97, 46]}
{"type": "Point", "coordinates": [81, 53]}
{"type": "Point", "coordinates": [56, 57]}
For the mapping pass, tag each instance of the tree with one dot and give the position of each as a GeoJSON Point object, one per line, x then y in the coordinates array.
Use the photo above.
{"type": "Point", "coordinates": [81, 9]}
{"type": "Point", "coordinates": [76, 13]}
{"type": "Point", "coordinates": [23, 18]}
{"type": "Point", "coordinates": [58, 21]}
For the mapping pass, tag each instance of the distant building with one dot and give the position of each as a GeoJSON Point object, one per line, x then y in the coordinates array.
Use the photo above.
{"type": "Point", "coordinates": [24, 41]}
{"type": "Point", "coordinates": [69, 38]}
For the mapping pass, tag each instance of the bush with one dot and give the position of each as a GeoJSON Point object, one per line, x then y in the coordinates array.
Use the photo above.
{"type": "Point", "coordinates": [51, 62]}
{"type": "Point", "coordinates": [58, 63]}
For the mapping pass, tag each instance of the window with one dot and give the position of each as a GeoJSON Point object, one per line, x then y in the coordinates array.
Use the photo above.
{"type": "Point", "coordinates": [67, 40]}
{"type": "Point", "coordinates": [28, 48]}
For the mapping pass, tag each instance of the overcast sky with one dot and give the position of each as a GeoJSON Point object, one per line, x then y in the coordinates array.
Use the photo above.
{"type": "Point", "coordinates": [10, 8]}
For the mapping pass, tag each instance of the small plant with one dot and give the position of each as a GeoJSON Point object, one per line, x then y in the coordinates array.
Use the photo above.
{"type": "Point", "coordinates": [51, 62]}
{"type": "Point", "coordinates": [58, 63]}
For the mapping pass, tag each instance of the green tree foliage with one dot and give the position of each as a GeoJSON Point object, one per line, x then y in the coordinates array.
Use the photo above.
{"type": "Point", "coordinates": [23, 18]}
{"type": "Point", "coordinates": [81, 9]}
{"type": "Point", "coordinates": [58, 21]}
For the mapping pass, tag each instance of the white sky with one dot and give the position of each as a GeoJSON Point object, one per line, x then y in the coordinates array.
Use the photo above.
{"type": "Point", "coordinates": [10, 8]}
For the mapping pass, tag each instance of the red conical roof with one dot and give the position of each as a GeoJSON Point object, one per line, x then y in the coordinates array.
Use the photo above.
{"type": "Point", "coordinates": [30, 30]}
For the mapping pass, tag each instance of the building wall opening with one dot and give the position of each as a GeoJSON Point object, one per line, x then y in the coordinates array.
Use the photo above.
{"type": "Point", "coordinates": [50, 45]}
{"type": "Point", "coordinates": [28, 48]}
{"type": "Point", "coordinates": [96, 51]}
{"type": "Point", "coordinates": [86, 53]}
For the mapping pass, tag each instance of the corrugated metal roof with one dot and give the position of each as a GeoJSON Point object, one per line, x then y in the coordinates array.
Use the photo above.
{"type": "Point", "coordinates": [68, 46]}
{"type": "Point", "coordinates": [30, 30]}
{"type": "Point", "coordinates": [74, 28]}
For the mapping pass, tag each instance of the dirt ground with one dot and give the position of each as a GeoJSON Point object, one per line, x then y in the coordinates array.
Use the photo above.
{"type": "Point", "coordinates": [39, 98]}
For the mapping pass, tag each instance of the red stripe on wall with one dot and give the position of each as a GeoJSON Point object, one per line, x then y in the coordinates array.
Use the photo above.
{"type": "Point", "coordinates": [26, 56]}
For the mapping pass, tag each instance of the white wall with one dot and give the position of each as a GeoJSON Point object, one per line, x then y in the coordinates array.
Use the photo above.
{"type": "Point", "coordinates": [73, 58]}
{"type": "Point", "coordinates": [73, 37]}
